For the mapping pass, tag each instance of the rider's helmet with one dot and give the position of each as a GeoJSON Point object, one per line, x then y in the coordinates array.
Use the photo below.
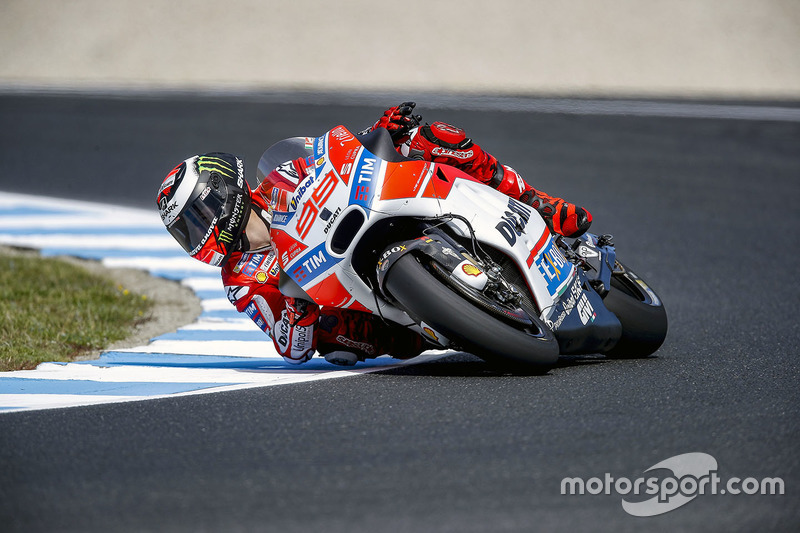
{"type": "Point", "coordinates": [204, 203]}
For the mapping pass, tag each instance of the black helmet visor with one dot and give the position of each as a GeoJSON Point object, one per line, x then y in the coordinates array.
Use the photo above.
{"type": "Point", "coordinates": [194, 226]}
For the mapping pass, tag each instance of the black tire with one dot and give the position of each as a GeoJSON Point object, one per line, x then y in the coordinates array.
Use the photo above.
{"type": "Point", "coordinates": [641, 312]}
{"type": "Point", "coordinates": [427, 299]}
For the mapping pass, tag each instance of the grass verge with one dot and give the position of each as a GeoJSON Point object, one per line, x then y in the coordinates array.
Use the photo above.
{"type": "Point", "coordinates": [53, 310]}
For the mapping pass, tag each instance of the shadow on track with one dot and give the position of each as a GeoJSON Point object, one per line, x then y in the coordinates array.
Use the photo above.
{"type": "Point", "coordinates": [466, 365]}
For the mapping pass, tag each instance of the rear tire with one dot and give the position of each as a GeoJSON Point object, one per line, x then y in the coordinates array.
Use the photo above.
{"type": "Point", "coordinates": [641, 312]}
{"type": "Point", "coordinates": [427, 299]}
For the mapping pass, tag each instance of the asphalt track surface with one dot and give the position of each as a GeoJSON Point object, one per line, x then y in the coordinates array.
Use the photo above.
{"type": "Point", "coordinates": [704, 209]}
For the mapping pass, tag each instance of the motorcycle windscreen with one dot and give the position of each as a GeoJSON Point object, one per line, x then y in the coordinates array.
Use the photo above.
{"type": "Point", "coordinates": [281, 152]}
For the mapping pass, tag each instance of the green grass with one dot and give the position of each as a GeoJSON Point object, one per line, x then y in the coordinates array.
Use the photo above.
{"type": "Point", "coordinates": [52, 310]}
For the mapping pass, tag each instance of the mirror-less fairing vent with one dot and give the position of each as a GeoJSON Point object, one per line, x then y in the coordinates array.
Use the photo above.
{"type": "Point", "coordinates": [346, 230]}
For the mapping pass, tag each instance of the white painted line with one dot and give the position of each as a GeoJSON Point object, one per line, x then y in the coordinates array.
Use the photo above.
{"type": "Point", "coordinates": [183, 263]}
{"type": "Point", "coordinates": [90, 241]}
{"type": "Point", "coordinates": [216, 304]}
{"type": "Point", "coordinates": [165, 367]}
{"type": "Point", "coordinates": [206, 283]}
{"type": "Point", "coordinates": [233, 324]}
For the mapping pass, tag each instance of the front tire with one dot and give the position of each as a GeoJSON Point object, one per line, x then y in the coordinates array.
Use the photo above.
{"type": "Point", "coordinates": [427, 299]}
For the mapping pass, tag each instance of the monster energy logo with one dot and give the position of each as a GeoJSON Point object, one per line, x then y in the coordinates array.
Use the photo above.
{"type": "Point", "coordinates": [212, 164]}
{"type": "Point", "coordinates": [225, 236]}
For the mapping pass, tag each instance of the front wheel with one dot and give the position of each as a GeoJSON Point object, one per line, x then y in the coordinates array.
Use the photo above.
{"type": "Point", "coordinates": [423, 296]}
{"type": "Point", "coordinates": [641, 312]}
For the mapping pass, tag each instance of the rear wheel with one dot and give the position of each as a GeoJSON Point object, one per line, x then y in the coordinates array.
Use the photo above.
{"type": "Point", "coordinates": [429, 300]}
{"type": "Point", "coordinates": [641, 312]}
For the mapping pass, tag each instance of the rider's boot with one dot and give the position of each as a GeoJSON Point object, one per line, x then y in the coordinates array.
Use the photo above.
{"type": "Point", "coordinates": [560, 216]}
{"type": "Point", "coordinates": [443, 143]}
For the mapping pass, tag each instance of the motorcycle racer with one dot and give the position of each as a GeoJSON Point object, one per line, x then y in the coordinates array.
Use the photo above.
{"type": "Point", "coordinates": [209, 208]}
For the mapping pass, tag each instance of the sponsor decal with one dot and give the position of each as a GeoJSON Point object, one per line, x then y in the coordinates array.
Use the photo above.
{"type": "Point", "coordinates": [573, 299]}
{"type": "Point", "coordinates": [294, 250]}
{"type": "Point", "coordinates": [585, 251]}
{"type": "Point", "coordinates": [332, 219]}
{"type": "Point", "coordinates": [279, 199]}
{"type": "Point", "coordinates": [393, 250]}
{"type": "Point", "coordinates": [447, 128]}
{"type": "Point", "coordinates": [205, 237]}
{"type": "Point", "coordinates": [225, 237]}
{"type": "Point", "coordinates": [252, 264]}
{"type": "Point", "coordinates": [471, 270]}
{"type": "Point", "coordinates": [450, 252]}
{"type": "Point", "coordinates": [236, 293]}
{"type": "Point", "coordinates": [513, 221]}
{"type": "Point", "coordinates": [585, 310]}
{"type": "Point", "coordinates": [169, 182]}
{"type": "Point", "coordinates": [363, 189]}
{"type": "Point", "coordinates": [235, 218]}
{"type": "Point", "coordinates": [319, 146]}
{"type": "Point", "coordinates": [261, 276]}
{"type": "Point", "coordinates": [312, 264]}
{"type": "Point", "coordinates": [301, 341]}
{"type": "Point", "coordinates": [554, 267]}
{"type": "Point", "coordinates": [430, 333]}
{"type": "Point", "coordinates": [301, 191]}
{"type": "Point", "coordinates": [350, 343]}
{"type": "Point", "coordinates": [241, 263]}
{"type": "Point", "coordinates": [275, 268]}
{"type": "Point", "coordinates": [240, 172]}
{"type": "Point", "coordinates": [457, 154]}
{"type": "Point", "coordinates": [341, 134]}
{"type": "Point", "coordinates": [281, 219]}
{"type": "Point", "coordinates": [283, 330]}
{"type": "Point", "coordinates": [216, 164]}
{"type": "Point", "coordinates": [251, 310]}
{"type": "Point", "coordinates": [166, 210]}
{"type": "Point", "coordinates": [287, 170]}
{"type": "Point", "coordinates": [216, 258]}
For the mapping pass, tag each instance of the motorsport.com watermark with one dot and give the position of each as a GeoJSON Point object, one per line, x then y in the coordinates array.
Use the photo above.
{"type": "Point", "coordinates": [693, 474]}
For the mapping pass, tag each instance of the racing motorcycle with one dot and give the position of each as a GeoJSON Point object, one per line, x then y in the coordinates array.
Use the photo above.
{"type": "Point", "coordinates": [426, 246]}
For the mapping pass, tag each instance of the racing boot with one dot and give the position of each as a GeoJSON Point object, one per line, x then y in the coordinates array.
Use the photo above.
{"type": "Point", "coordinates": [345, 337]}
{"type": "Point", "coordinates": [560, 216]}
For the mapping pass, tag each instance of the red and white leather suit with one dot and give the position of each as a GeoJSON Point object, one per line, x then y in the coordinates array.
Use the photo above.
{"type": "Point", "coordinates": [300, 328]}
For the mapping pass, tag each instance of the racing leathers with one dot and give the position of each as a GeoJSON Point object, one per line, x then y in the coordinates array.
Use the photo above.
{"type": "Point", "coordinates": [447, 144]}
{"type": "Point", "coordinates": [300, 328]}
{"type": "Point", "coordinates": [297, 327]}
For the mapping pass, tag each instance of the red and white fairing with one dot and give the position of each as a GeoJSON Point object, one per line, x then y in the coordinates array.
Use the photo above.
{"type": "Point", "coordinates": [349, 184]}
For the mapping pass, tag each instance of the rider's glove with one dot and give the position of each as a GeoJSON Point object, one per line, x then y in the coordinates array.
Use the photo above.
{"type": "Point", "coordinates": [293, 334]}
{"type": "Point", "coordinates": [301, 312]}
{"type": "Point", "coordinates": [399, 120]}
